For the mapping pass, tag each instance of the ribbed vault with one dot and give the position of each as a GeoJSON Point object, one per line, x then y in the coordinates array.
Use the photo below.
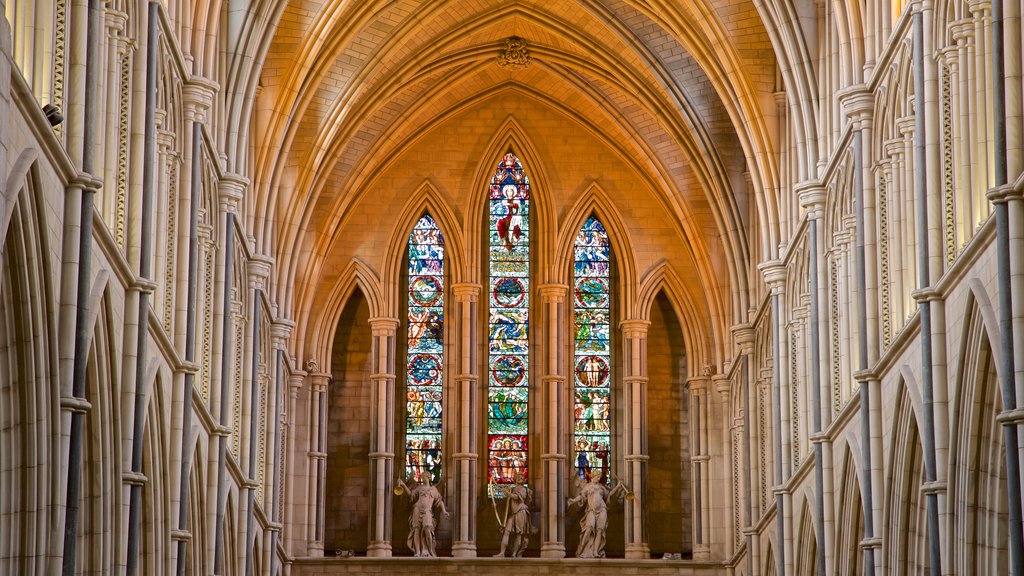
{"type": "Point", "coordinates": [679, 95]}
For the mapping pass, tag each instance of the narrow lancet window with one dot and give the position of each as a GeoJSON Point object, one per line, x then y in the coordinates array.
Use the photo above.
{"type": "Point", "coordinates": [508, 325]}
{"type": "Point", "coordinates": [592, 351]}
{"type": "Point", "coordinates": [425, 356]}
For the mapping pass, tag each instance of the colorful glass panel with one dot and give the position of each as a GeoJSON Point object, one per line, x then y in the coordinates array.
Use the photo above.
{"type": "Point", "coordinates": [509, 323]}
{"type": "Point", "coordinates": [592, 358]}
{"type": "Point", "coordinates": [425, 355]}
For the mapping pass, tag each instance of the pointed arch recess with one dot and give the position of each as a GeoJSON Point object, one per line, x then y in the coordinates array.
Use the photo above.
{"type": "Point", "coordinates": [510, 135]}
{"type": "Point", "coordinates": [596, 202]}
{"type": "Point", "coordinates": [425, 200]}
{"type": "Point", "coordinates": [697, 336]}
{"type": "Point", "coordinates": [320, 337]}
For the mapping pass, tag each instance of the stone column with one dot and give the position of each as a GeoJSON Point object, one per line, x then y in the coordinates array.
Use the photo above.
{"type": "Point", "coordinates": [634, 339]}
{"type": "Point", "coordinates": [317, 455]}
{"type": "Point", "coordinates": [743, 336]}
{"type": "Point", "coordinates": [555, 421]}
{"type": "Point", "coordinates": [858, 104]}
{"type": "Point", "coordinates": [812, 198]}
{"type": "Point", "coordinates": [466, 416]}
{"type": "Point", "coordinates": [775, 277]}
{"type": "Point", "coordinates": [698, 392]}
{"type": "Point", "coordinates": [382, 434]}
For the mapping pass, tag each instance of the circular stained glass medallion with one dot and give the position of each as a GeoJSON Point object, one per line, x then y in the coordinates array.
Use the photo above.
{"type": "Point", "coordinates": [425, 290]}
{"type": "Point", "coordinates": [509, 292]}
{"type": "Point", "coordinates": [592, 371]}
{"type": "Point", "coordinates": [592, 293]}
{"type": "Point", "coordinates": [425, 370]}
{"type": "Point", "coordinates": [508, 370]}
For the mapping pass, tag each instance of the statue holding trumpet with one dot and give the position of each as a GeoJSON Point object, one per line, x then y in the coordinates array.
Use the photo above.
{"type": "Point", "coordinates": [595, 497]}
{"type": "Point", "coordinates": [424, 497]}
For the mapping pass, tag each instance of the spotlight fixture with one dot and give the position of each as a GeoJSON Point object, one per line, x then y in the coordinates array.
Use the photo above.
{"type": "Point", "coordinates": [53, 115]}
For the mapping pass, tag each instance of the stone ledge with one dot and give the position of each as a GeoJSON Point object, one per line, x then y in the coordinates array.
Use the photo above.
{"type": "Point", "coordinates": [501, 566]}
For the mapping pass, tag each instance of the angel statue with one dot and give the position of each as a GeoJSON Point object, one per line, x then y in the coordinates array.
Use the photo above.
{"type": "Point", "coordinates": [517, 525]}
{"type": "Point", "coordinates": [594, 496]}
{"type": "Point", "coordinates": [424, 497]}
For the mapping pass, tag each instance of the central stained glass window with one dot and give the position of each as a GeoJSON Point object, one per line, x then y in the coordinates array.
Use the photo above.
{"type": "Point", "coordinates": [592, 347]}
{"type": "Point", "coordinates": [425, 358]}
{"type": "Point", "coordinates": [508, 325]}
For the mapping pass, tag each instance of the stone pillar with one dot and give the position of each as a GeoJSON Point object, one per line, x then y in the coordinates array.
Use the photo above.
{"type": "Point", "coordinates": [698, 393]}
{"type": "Point", "coordinates": [634, 339]}
{"type": "Point", "coordinates": [744, 336]}
{"type": "Point", "coordinates": [554, 412]}
{"type": "Point", "coordinates": [382, 434]}
{"type": "Point", "coordinates": [775, 277]}
{"type": "Point", "coordinates": [466, 416]}
{"type": "Point", "coordinates": [812, 198]}
{"type": "Point", "coordinates": [317, 455]}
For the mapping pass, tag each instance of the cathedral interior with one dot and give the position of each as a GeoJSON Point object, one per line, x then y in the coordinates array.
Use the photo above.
{"type": "Point", "coordinates": [321, 287]}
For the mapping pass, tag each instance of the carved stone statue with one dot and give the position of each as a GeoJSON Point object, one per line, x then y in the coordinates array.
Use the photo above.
{"type": "Point", "coordinates": [594, 497]}
{"type": "Point", "coordinates": [517, 525]}
{"type": "Point", "coordinates": [424, 497]}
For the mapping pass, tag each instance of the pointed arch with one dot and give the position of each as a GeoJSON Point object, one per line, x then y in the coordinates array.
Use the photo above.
{"type": "Point", "coordinates": [905, 508]}
{"type": "Point", "coordinates": [510, 135]}
{"type": "Point", "coordinates": [595, 202]}
{"type": "Point", "coordinates": [807, 542]}
{"type": "Point", "coordinates": [30, 387]}
{"type": "Point", "coordinates": [426, 200]}
{"type": "Point", "coordinates": [977, 477]}
{"type": "Point", "coordinates": [663, 278]}
{"type": "Point", "coordinates": [357, 275]}
{"type": "Point", "coordinates": [848, 556]}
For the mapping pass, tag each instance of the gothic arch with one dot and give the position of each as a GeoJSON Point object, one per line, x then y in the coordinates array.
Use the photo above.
{"type": "Point", "coordinates": [700, 345]}
{"type": "Point", "coordinates": [906, 544]}
{"type": "Point", "coordinates": [426, 200]}
{"type": "Point", "coordinates": [511, 136]}
{"type": "Point", "coordinates": [197, 510]}
{"type": "Point", "coordinates": [101, 478]}
{"type": "Point", "coordinates": [806, 542]}
{"type": "Point", "coordinates": [357, 276]}
{"type": "Point", "coordinates": [30, 445]}
{"type": "Point", "coordinates": [595, 201]}
{"type": "Point", "coordinates": [977, 476]}
{"type": "Point", "coordinates": [848, 555]}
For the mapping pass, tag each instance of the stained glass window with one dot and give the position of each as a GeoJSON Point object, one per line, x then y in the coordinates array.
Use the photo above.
{"type": "Point", "coordinates": [508, 326]}
{"type": "Point", "coordinates": [592, 346]}
{"type": "Point", "coordinates": [425, 356]}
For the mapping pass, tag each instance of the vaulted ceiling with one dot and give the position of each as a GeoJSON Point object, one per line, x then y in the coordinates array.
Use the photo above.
{"type": "Point", "coordinates": [682, 91]}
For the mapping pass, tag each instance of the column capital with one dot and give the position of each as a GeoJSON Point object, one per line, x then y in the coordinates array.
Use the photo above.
{"type": "Point", "coordinates": [1007, 192]}
{"type": "Point", "coordinates": [553, 292]}
{"type": "Point", "coordinates": [259, 270]}
{"type": "Point", "coordinates": [697, 384]}
{"type": "Point", "coordinates": [743, 335]}
{"type": "Point", "coordinates": [198, 94]}
{"type": "Point", "coordinates": [466, 292]}
{"type": "Point", "coordinates": [812, 195]}
{"type": "Point", "coordinates": [634, 328]}
{"type": "Point", "coordinates": [280, 331]}
{"type": "Point", "coordinates": [318, 380]}
{"type": "Point", "coordinates": [231, 188]}
{"type": "Point", "coordinates": [962, 30]}
{"type": "Point", "coordinates": [774, 272]}
{"type": "Point", "coordinates": [858, 104]}
{"type": "Point", "coordinates": [384, 326]}
{"type": "Point", "coordinates": [906, 125]}
{"type": "Point", "coordinates": [721, 384]}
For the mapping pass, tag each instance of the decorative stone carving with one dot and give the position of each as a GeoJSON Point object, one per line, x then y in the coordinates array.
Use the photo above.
{"type": "Point", "coordinates": [594, 496]}
{"type": "Point", "coordinates": [517, 525]}
{"type": "Point", "coordinates": [515, 55]}
{"type": "Point", "coordinates": [425, 497]}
